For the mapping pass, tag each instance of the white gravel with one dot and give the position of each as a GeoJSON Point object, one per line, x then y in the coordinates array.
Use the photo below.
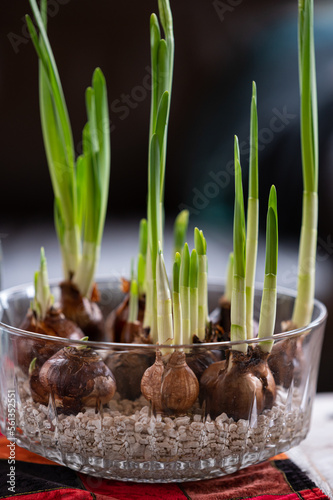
{"type": "Point", "coordinates": [127, 430]}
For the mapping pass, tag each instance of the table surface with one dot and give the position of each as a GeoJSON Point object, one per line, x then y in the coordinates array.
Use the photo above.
{"type": "Point", "coordinates": [315, 454]}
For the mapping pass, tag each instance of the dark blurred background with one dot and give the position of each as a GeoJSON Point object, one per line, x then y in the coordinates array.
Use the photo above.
{"type": "Point", "coordinates": [221, 46]}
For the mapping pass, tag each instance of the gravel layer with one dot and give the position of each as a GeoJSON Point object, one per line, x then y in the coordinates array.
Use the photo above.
{"type": "Point", "coordinates": [127, 430]}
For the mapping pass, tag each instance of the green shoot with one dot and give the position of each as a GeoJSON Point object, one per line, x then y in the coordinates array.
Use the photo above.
{"type": "Point", "coordinates": [93, 170]}
{"type": "Point", "coordinates": [162, 69]}
{"type": "Point", "coordinates": [180, 230]}
{"type": "Point", "coordinates": [201, 248]}
{"type": "Point", "coordinates": [58, 142]}
{"type": "Point", "coordinates": [81, 189]}
{"type": "Point", "coordinates": [252, 216]}
{"type": "Point", "coordinates": [162, 55]}
{"type": "Point", "coordinates": [81, 347]}
{"type": "Point", "coordinates": [148, 314]}
{"type": "Point", "coordinates": [154, 216]}
{"type": "Point", "coordinates": [230, 278]}
{"type": "Point", "coordinates": [133, 301]}
{"type": "Point", "coordinates": [142, 256]}
{"type": "Point", "coordinates": [238, 300]}
{"type": "Point", "coordinates": [194, 298]}
{"type": "Point", "coordinates": [303, 306]}
{"type": "Point", "coordinates": [268, 303]}
{"type": "Point", "coordinates": [32, 366]}
{"type": "Point", "coordinates": [177, 311]}
{"type": "Point", "coordinates": [185, 294]}
{"type": "Point", "coordinates": [164, 303]}
{"type": "Point", "coordinates": [154, 229]}
{"type": "Point", "coordinates": [43, 299]}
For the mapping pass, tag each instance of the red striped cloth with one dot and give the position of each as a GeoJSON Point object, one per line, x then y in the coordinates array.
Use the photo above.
{"type": "Point", "coordinates": [36, 478]}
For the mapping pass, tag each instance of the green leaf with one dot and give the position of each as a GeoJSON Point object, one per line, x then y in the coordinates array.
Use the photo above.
{"type": "Point", "coordinates": [166, 17]}
{"type": "Point", "coordinates": [176, 273]}
{"type": "Point", "coordinates": [199, 242]}
{"type": "Point", "coordinates": [133, 302]}
{"type": "Point", "coordinates": [155, 37]}
{"type": "Point", "coordinates": [185, 267]}
{"type": "Point", "coordinates": [162, 69]}
{"type": "Point", "coordinates": [204, 242]}
{"type": "Point", "coordinates": [272, 201]}
{"type": "Point", "coordinates": [55, 84]}
{"type": "Point", "coordinates": [239, 218]}
{"type": "Point", "coordinates": [253, 178]}
{"type": "Point", "coordinates": [81, 182]}
{"type": "Point", "coordinates": [143, 237]}
{"type": "Point", "coordinates": [43, 298]}
{"type": "Point", "coordinates": [180, 230]}
{"type": "Point", "coordinates": [194, 267]}
{"type": "Point", "coordinates": [271, 243]}
{"type": "Point", "coordinates": [154, 201]}
{"type": "Point", "coordinates": [32, 366]}
{"type": "Point", "coordinates": [161, 121]}
{"type": "Point", "coordinates": [308, 90]}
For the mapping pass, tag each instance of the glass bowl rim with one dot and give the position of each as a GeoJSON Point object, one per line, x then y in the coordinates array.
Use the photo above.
{"type": "Point", "coordinates": [215, 284]}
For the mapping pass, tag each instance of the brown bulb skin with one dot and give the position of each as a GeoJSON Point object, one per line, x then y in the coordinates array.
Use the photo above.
{"type": "Point", "coordinates": [38, 393]}
{"type": "Point", "coordinates": [180, 386]}
{"type": "Point", "coordinates": [77, 378]}
{"type": "Point", "coordinates": [286, 362]}
{"type": "Point", "coordinates": [151, 383]}
{"type": "Point", "coordinates": [170, 384]}
{"type": "Point", "coordinates": [116, 321]}
{"type": "Point", "coordinates": [85, 313]}
{"type": "Point", "coordinates": [199, 361]}
{"type": "Point", "coordinates": [116, 325]}
{"type": "Point", "coordinates": [286, 359]}
{"type": "Point", "coordinates": [128, 368]}
{"type": "Point", "coordinates": [55, 324]}
{"type": "Point", "coordinates": [208, 379]}
{"type": "Point", "coordinates": [225, 308]}
{"type": "Point", "coordinates": [243, 385]}
{"type": "Point", "coordinates": [261, 370]}
{"type": "Point", "coordinates": [133, 333]}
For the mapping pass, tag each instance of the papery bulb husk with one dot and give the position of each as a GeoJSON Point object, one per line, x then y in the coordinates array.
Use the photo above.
{"type": "Point", "coordinates": [180, 386]}
{"type": "Point", "coordinates": [38, 393]}
{"type": "Point", "coordinates": [241, 388]}
{"type": "Point", "coordinates": [134, 333]}
{"type": "Point", "coordinates": [208, 379]}
{"type": "Point", "coordinates": [215, 333]}
{"type": "Point", "coordinates": [151, 383]}
{"type": "Point", "coordinates": [260, 368]}
{"type": "Point", "coordinates": [55, 324]}
{"type": "Point", "coordinates": [286, 360]}
{"type": "Point", "coordinates": [128, 368]}
{"type": "Point", "coordinates": [85, 313]}
{"type": "Point", "coordinates": [225, 318]}
{"type": "Point", "coordinates": [199, 359]}
{"type": "Point", "coordinates": [116, 322]}
{"type": "Point", "coordinates": [56, 321]}
{"type": "Point", "coordinates": [77, 378]}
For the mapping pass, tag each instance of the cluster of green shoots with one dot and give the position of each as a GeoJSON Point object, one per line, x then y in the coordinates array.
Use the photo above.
{"type": "Point", "coordinates": [80, 186]}
{"type": "Point", "coordinates": [177, 317]}
{"type": "Point", "coordinates": [177, 314]}
{"type": "Point", "coordinates": [172, 317]}
{"type": "Point", "coordinates": [244, 256]}
{"type": "Point", "coordinates": [242, 264]}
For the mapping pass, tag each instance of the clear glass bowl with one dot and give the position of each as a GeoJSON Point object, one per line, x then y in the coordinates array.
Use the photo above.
{"type": "Point", "coordinates": [124, 439]}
